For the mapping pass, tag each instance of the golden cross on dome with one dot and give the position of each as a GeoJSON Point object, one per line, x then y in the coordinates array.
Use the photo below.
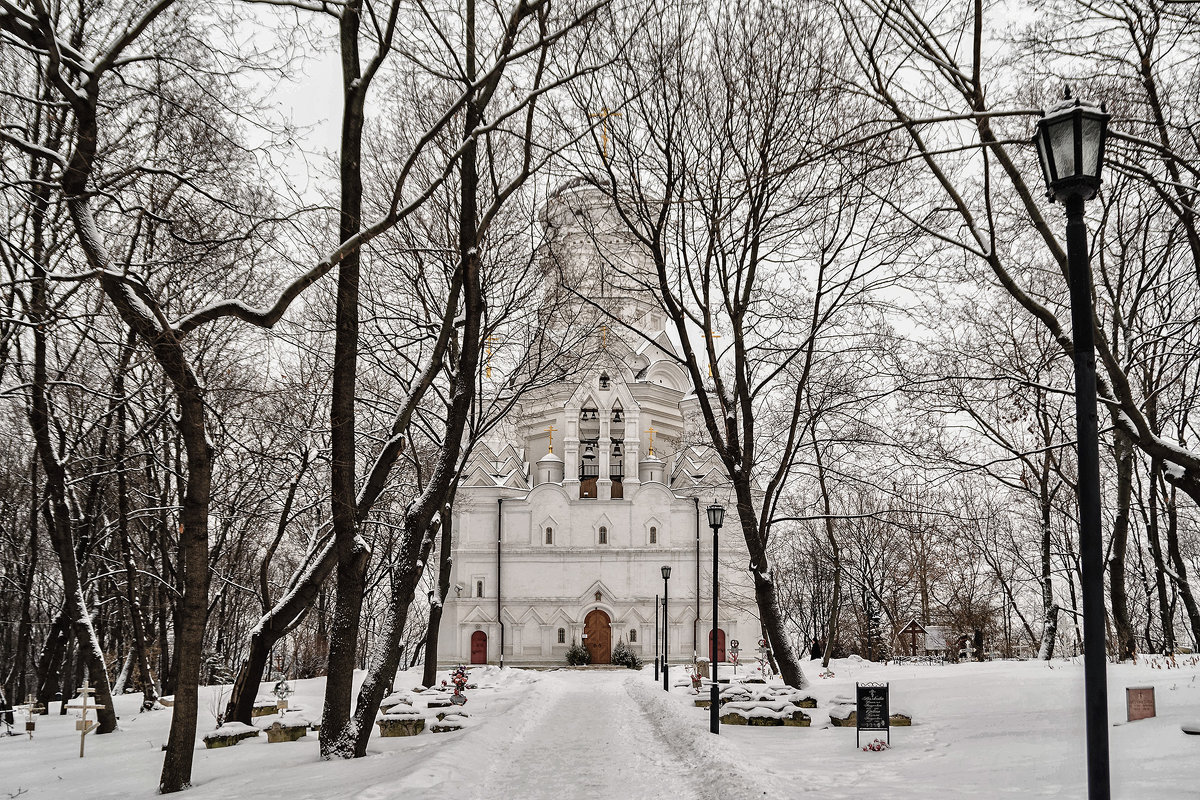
{"type": "Point", "coordinates": [603, 117]}
{"type": "Point", "coordinates": [489, 341]}
{"type": "Point", "coordinates": [651, 431]}
{"type": "Point", "coordinates": [714, 336]}
{"type": "Point", "coordinates": [551, 429]}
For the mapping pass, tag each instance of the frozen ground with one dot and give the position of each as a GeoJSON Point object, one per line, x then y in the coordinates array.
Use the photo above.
{"type": "Point", "coordinates": [999, 729]}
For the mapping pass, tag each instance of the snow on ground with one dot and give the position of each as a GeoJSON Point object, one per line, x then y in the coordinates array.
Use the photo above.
{"type": "Point", "coordinates": [998, 729]}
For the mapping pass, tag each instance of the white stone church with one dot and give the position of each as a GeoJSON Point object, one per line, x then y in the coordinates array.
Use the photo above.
{"type": "Point", "coordinates": [563, 522]}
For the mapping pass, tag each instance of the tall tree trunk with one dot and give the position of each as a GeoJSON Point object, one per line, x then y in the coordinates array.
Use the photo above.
{"type": "Point", "coordinates": [16, 682]}
{"type": "Point", "coordinates": [835, 603]}
{"type": "Point", "coordinates": [1179, 575]}
{"type": "Point", "coordinates": [352, 551]}
{"type": "Point", "coordinates": [50, 664]}
{"type": "Point", "coordinates": [1049, 607]}
{"type": "Point", "coordinates": [1156, 554]}
{"type": "Point", "coordinates": [418, 528]}
{"type": "Point", "coordinates": [445, 565]}
{"type": "Point", "coordinates": [385, 653]}
{"type": "Point", "coordinates": [167, 348]}
{"type": "Point", "coordinates": [273, 626]}
{"type": "Point", "coordinates": [1126, 641]}
{"type": "Point", "coordinates": [764, 587]}
{"type": "Point", "coordinates": [141, 651]}
{"type": "Point", "coordinates": [61, 531]}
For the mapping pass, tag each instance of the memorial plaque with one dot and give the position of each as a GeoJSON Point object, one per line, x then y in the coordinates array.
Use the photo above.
{"type": "Point", "coordinates": [1139, 702]}
{"type": "Point", "coordinates": [872, 712]}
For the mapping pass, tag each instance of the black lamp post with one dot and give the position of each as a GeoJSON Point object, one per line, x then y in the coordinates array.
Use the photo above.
{"type": "Point", "coordinates": [1070, 143]}
{"type": "Point", "coordinates": [656, 652]}
{"type": "Point", "coordinates": [716, 516]}
{"type": "Point", "coordinates": [666, 573]}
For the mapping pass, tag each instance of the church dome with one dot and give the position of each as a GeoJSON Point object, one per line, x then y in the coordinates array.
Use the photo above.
{"type": "Point", "coordinates": [550, 469]}
{"type": "Point", "coordinates": [650, 469]}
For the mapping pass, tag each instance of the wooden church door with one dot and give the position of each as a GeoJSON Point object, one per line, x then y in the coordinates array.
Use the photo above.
{"type": "Point", "coordinates": [720, 644]}
{"type": "Point", "coordinates": [598, 633]}
{"type": "Point", "coordinates": [478, 647]}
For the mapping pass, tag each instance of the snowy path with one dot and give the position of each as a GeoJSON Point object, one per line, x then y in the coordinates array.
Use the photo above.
{"type": "Point", "coordinates": [612, 749]}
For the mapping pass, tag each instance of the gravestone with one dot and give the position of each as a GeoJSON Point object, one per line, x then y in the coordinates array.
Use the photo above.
{"type": "Point", "coordinates": [1139, 702]}
{"type": "Point", "coordinates": [871, 710]}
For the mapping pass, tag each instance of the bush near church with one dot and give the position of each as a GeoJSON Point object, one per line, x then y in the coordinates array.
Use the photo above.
{"type": "Point", "coordinates": [578, 655]}
{"type": "Point", "coordinates": [624, 656]}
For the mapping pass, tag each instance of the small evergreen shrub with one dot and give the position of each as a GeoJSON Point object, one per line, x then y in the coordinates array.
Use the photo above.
{"type": "Point", "coordinates": [578, 655]}
{"type": "Point", "coordinates": [623, 655]}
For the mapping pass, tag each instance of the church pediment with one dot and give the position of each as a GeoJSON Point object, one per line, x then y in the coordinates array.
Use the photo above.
{"type": "Point", "coordinates": [478, 614]}
{"type": "Point", "coordinates": [598, 587]}
{"type": "Point", "coordinates": [479, 477]}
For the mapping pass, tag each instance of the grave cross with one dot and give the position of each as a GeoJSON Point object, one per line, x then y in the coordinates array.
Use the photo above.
{"type": "Point", "coordinates": [31, 708]}
{"type": "Point", "coordinates": [83, 724]}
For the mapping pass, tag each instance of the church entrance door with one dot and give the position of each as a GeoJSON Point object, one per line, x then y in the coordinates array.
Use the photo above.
{"type": "Point", "coordinates": [720, 643]}
{"type": "Point", "coordinates": [478, 647]}
{"type": "Point", "coordinates": [597, 629]}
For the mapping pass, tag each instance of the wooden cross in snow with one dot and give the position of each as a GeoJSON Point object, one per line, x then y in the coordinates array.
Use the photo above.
{"type": "Point", "coordinates": [84, 725]}
{"type": "Point", "coordinates": [31, 708]}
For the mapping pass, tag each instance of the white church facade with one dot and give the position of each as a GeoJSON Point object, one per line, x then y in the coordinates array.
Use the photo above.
{"type": "Point", "coordinates": [563, 522]}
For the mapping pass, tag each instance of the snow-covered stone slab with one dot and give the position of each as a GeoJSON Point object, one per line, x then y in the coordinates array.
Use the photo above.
{"type": "Point", "coordinates": [286, 730]}
{"type": "Point", "coordinates": [401, 723]}
{"type": "Point", "coordinates": [264, 708]}
{"type": "Point", "coordinates": [1191, 728]}
{"type": "Point", "coordinates": [766, 713]}
{"type": "Point", "coordinates": [395, 699]}
{"type": "Point", "coordinates": [229, 734]}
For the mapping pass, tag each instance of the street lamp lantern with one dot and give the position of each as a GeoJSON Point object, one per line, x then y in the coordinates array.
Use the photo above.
{"type": "Point", "coordinates": [1070, 143]}
{"type": "Point", "coordinates": [716, 515]}
{"type": "Point", "coordinates": [666, 573]}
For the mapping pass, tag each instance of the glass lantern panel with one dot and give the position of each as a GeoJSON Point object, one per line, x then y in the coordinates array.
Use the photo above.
{"type": "Point", "coordinates": [1062, 142]}
{"type": "Point", "coordinates": [1092, 130]}
{"type": "Point", "coordinates": [1043, 159]}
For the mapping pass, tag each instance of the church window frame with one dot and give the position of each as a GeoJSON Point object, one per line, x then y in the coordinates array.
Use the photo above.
{"type": "Point", "coordinates": [562, 635]}
{"type": "Point", "coordinates": [653, 534]}
{"type": "Point", "coordinates": [549, 534]}
{"type": "Point", "coordinates": [479, 588]}
{"type": "Point", "coordinates": [633, 635]}
{"type": "Point", "coordinates": [602, 535]}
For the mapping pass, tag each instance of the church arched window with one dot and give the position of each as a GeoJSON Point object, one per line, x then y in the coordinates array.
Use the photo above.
{"type": "Point", "coordinates": [562, 635]}
{"type": "Point", "coordinates": [479, 588]}
{"type": "Point", "coordinates": [653, 534]}
{"type": "Point", "coordinates": [549, 535]}
{"type": "Point", "coordinates": [603, 535]}
{"type": "Point", "coordinates": [632, 635]}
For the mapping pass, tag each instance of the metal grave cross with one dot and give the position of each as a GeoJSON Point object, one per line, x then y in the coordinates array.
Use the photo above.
{"type": "Point", "coordinates": [31, 708]}
{"type": "Point", "coordinates": [83, 724]}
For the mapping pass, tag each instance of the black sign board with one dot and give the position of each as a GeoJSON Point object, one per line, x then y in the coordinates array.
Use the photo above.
{"type": "Point", "coordinates": [872, 712]}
